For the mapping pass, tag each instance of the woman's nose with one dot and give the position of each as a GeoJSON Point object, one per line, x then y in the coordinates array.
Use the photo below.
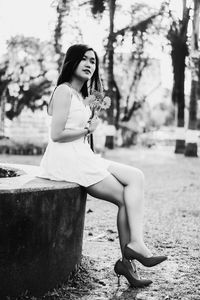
{"type": "Point", "coordinates": [88, 63]}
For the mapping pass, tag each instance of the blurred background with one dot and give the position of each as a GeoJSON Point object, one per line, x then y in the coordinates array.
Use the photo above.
{"type": "Point", "coordinates": [150, 67]}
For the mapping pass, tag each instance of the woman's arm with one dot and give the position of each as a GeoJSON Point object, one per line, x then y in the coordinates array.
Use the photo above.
{"type": "Point", "coordinates": [61, 104]}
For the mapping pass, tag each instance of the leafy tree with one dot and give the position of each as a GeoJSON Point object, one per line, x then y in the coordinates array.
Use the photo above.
{"type": "Point", "coordinates": [138, 59]}
{"type": "Point", "coordinates": [67, 23]}
{"type": "Point", "coordinates": [29, 69]}
{"type": "Point", "coordinates": [135, 28]}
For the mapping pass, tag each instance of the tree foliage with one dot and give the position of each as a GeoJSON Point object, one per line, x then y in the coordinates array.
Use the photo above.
{"type": "Point", "coordinates": [62, 10]}
{"type": "Point", "coordinates": [142, 18]}
{"type": "Point", "coordinates": [97, 6]}
{"type": "Point", "coordinates": [4, 80]}
{"type": "Point", "coordinates": [26, 74]}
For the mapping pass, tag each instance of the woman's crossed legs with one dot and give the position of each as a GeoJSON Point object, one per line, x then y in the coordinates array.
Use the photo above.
{"type": "Point", "coordinates": [125, 188]}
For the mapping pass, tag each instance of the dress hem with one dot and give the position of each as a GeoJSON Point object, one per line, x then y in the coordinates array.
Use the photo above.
{"type": "Point", "coordinates": [53, 178]}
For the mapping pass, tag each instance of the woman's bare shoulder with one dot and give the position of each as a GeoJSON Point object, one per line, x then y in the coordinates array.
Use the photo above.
{"type": "Point", "coordinates": [60, 98]}
{"type": "Point", "coordinates": [62, 90]}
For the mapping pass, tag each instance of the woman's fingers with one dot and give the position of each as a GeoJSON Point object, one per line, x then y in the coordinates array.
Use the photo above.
{"type": "Point", "coordinates": [94, 123]}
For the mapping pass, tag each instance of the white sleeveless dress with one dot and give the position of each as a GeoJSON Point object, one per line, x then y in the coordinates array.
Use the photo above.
{"type": "Point", "coordinates": [74, 161]}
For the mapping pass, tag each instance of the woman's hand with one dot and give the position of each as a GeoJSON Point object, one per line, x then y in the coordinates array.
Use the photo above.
{"type": "Point", "coordinates": [93, 123]}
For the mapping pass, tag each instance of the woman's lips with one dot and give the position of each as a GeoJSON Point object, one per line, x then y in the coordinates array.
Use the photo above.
{"type": "Point", "coordinates": [87, 71]}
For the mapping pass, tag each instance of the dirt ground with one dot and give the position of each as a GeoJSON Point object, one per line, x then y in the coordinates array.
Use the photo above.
{"type": "Point", "coordinates": [172, 227]}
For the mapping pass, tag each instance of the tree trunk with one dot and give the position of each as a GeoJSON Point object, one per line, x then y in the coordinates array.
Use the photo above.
{"type": "Point", "coordinates": [2, 114]}
{"type": "Point", "coordinates": [110, 70]}
{"type": "Point", "coordinates": [191, 143]}
{"type": "Point", "coordinates": [62, 9]}
{"type": "Point", "coordinates": [179, 90]}
{"type": "Point", "coordinates": [178, 38]}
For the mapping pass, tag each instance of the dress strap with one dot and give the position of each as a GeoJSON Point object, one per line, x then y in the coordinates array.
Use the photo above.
{"type": "Point", "coordinates": [48, 107]}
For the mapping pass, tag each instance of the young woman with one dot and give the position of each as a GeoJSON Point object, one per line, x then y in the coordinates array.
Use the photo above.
{"type": "Point", "coordinates": [69, 157]}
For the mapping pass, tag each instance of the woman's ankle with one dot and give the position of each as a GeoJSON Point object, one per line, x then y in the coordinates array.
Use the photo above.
{"type": "Point", "coordinates": [135, 244]}
{"type": "Point", "coordinates": [140, 247]}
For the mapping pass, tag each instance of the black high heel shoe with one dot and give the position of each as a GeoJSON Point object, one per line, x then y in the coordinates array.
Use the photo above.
{"type": "Point", "coordinates": [131, 254]}
{"type": "Point", "coordinates": [121, 269]}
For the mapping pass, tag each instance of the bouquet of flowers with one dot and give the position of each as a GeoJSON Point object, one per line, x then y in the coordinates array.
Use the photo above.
{"type": "Point", "coordinates": [97, 101]}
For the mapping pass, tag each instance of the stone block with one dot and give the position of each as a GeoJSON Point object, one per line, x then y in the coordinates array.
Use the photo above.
{"type": "Point", "coordinates": [41, 232]}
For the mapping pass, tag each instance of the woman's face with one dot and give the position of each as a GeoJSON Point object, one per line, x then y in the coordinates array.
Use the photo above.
{"type": "Point", "coordinates": [87, 66]}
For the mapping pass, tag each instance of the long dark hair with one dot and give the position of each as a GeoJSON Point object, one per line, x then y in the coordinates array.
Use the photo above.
{"type": "Point", "coordinates": [72, 59]}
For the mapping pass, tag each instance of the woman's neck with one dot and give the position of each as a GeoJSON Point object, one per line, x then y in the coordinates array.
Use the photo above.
{"type": "Point", "coordinates": [76, 84]}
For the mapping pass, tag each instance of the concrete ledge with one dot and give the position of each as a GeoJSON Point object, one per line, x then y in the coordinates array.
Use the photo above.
{"type": "Point", "coordinates": [41, 231]}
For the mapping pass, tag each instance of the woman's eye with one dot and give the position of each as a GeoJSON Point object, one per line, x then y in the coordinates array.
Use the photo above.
{"type": "Point", "coordinates": [92, 62]}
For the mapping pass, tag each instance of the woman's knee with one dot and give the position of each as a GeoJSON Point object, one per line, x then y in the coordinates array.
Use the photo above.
{"type": "Point", "coordinates": [137, 177]}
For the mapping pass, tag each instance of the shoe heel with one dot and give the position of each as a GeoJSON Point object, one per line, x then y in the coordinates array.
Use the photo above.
{"type": "Point", "coordinates": [118, 281]}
